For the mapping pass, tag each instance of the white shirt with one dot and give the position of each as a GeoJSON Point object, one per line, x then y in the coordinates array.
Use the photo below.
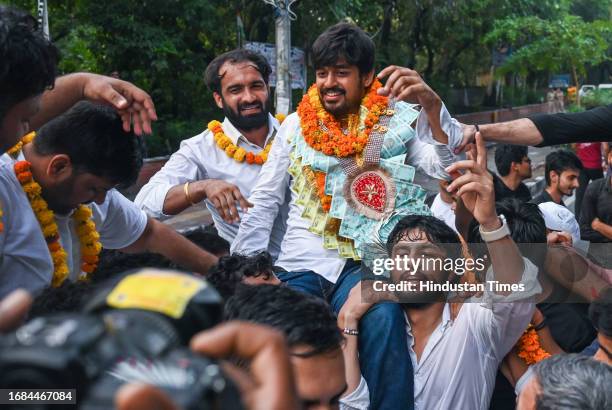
{"type": "Point", "coordinates": [458, 365]}
{"type": "Point", "coordinates": [358, 399]}
{"type": "Point", "coordinates": [200, 158]}
{"type": "Point", "coordinates": [443, 211]}
{"type": "Point", "coordinates": [25, 261]}
{"type": "Point", "coordinates": [301, 249]}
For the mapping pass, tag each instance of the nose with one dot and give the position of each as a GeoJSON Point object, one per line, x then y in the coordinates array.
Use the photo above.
{"type": "Point", "coordinates": [248, 96]}
{"type": "Point", "coordinates": [330, 80]}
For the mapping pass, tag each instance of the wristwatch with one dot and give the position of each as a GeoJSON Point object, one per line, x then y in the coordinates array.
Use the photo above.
{"type": "Point", "coordinates": [497, 234]}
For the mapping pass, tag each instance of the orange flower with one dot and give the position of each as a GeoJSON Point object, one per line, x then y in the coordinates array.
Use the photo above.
{"type": "Point", "coordinates": [21, 166]}
{"type": "Point", "coordinates": [24, 177]}
{"type": "Point", "coordinates": [529, 348]}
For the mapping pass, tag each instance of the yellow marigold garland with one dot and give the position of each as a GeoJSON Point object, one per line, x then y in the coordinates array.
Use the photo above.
{"type": "Point", "coordinates": [529, 348]}
{"type": "Point", "coordinates": [234, 151]}
{"type": "Point", "coordinates": [85, 227]}
{"type": "Point", "coordinates": [16, 149]}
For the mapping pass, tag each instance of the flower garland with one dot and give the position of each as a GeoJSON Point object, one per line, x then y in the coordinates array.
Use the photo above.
{"type": "Point", "coordinates": [16, 149]}
{"type": "Point", "coordinates": [1, 223]}
{"type": "Point", "coordinates": [234, 151]}
{"type": "Point", "coordinates": [529, 348]}
{"type": "Point", "coordinates": [89, 238]}
{"type": "Point", "coordinates": [333, 141]}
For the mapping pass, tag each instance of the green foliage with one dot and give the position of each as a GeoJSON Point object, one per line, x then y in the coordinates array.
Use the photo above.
{"type": "Point", "coordinates": [597, 98]}
{"type": "Point", "coordinates": [164, 46]}
{"type": "Point", "coordinates": [565, 44]}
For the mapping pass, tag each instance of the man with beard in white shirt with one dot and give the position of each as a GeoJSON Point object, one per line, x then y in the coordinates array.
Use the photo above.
{"type": "Point", "coordinates": [221, 165]}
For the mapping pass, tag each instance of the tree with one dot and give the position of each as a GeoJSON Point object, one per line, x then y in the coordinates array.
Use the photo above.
{"type": "Point", "coordinates": [568, 43]}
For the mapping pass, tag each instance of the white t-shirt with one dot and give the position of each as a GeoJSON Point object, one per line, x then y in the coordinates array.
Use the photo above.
{"type": "Point", "coordinates": [25, 261]}
{"type": "Point", "coordinates": [444, 212]}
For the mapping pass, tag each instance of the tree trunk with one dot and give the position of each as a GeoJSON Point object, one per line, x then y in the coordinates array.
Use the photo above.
{"type": "Point", "coordinates": [575, 74]}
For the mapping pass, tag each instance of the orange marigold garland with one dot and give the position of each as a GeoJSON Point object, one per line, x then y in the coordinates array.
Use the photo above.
{"type": "Point", "coordinates": [234, 151]}
{"type": "Point", "coordinates": [313, 117]}
{"type": "Point", "coordinates": [85, 228]}
{"type": "Point", "coordinates": [325, 199]}
{"type": "Point", "coordinates": [529, 348]}
{"type": "Point", "coordinates": [1, 223]}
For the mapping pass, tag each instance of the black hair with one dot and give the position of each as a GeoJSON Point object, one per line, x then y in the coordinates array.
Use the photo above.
{"type": "Point", "coordinates": [506, 154]}
{"type": "Point", "coordinates": [435, 230]}
{"type": "Point", "coordinates": [68, 297]}
{"type": "Point", "coordinates": [113, 262]}
{"type": "Point", "coordinates": [559, 161]}
{"type": "Point", "coordinates": [305, 320]}
{"type": "Point", "coordinates": [29, 60]}
{"type": "Point", "coordinates": [92, 136]}
{"type": "Point", "coordinates": [526, 225]}
{"type": "Point", "coordinates": [600, 312]}
{"type": "Point", "coordinates": [239, 55]}
{"type": "Point", "coordinates": [231, 270]}
{"type": "Point", "coordinates": [208, 239]}
{"type": "Point", "coordinates": [347, 41]}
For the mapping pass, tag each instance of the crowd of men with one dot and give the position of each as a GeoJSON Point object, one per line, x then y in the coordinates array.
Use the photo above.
{"type": "Point", "coordinates": [297, 207]}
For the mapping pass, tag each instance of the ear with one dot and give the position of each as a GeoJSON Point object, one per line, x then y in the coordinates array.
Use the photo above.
{"type": "Point", "coordinates": [218, 99]}
{"type": "Point", "coordinates": [59, 167]}
{"type": "Point", "coordinates": [554, 177]}
{"type": "Point", "coordinates": [368, 79]}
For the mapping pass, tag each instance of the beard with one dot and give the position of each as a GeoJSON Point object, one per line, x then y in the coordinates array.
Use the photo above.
{"type": "Point", "coordinates": [56, 197]}
{"type": "Point", "coordinates": [247, 122]}
{"type": "Point", "coordinates": [342, 108]}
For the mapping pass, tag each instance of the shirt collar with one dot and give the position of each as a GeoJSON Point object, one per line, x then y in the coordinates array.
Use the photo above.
{"type": "Point", "coordinates": [234, 135]}
{"type": "Point", "coordinates": [446, 317]}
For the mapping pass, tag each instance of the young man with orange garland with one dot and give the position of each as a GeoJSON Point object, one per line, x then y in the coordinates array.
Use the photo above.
{"type": "Point", "coordinates": [221, 165]}
{"type": "Point", "coordinates": [350, 157]}
{"type": "Point", "coordinates": [61, 207]}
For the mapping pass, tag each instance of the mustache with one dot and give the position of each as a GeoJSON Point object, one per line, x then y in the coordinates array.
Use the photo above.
{"type": "Point", "coordinates": [250, 105]}
{"type": "Point", "coordinates": [334, 89]}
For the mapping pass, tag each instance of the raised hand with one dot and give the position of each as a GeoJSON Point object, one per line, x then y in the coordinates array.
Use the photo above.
{"type": "Point", "coordinates": [407, 85]}
{"type": "Point", "coordinates": [133, 104]}
{"type": "Point", "coordinates": [475, 186]}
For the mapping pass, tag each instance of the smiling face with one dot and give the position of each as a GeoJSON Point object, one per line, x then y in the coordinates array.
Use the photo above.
{"type": "Point", "coordinates": [566, 182]}
{"type": "Point", "coordinates": [16, 122]}
{"type": "Point", "coordinates": [244, 95]}
{"type": "Point", "coordinates": [341, 88]}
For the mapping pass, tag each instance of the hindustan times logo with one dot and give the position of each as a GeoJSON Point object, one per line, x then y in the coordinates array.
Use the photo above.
{"type": "Point", "coordinates": [413, 265]}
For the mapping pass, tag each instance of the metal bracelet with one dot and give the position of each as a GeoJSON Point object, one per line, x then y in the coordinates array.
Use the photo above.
{"type": "Point", "coordinates": [349, 331]}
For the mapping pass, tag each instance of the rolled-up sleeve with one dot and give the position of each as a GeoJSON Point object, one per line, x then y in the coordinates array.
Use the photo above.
{"type": "Point", "coordinates": [268, 194]}
{"type": "Point", "coordinates": [501, 319]}
{"type": "Point", "coordinates": [184, 165]}
{"type": "Point", "coordinates": [358, 399]}
{"type": "Point", "coordinates": [429, 155]}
